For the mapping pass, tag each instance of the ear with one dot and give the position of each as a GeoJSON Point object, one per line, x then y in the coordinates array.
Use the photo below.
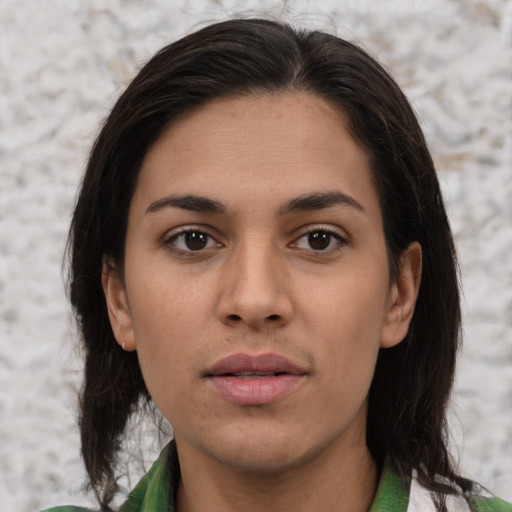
{"type": "Point", "coordinates": [117, 305]}
{"type": "Point", "coordinates": [402, 297]}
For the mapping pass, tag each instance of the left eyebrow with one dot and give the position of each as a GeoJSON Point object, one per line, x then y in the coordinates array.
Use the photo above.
{"type": "Point", "coordinates": [319, 201]}
{"type": "Point", "coordinates": [187, 202]}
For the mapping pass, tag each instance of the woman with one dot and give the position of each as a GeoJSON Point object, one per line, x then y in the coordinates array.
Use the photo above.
{"type": "Point", "coordinates": [261, 249]}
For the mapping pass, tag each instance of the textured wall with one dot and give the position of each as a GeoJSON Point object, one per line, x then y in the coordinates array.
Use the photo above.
{"type": "Point", "coordinates": [63, 63]}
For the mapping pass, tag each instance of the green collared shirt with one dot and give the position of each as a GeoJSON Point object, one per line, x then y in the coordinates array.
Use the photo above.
{"type": "Point", "coordinates": [156, 492]}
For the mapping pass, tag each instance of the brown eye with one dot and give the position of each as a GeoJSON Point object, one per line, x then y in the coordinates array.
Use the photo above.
{"type": "Point", "coordinates": [319, 240]}
{"type": "Point", "coordinates": [195, 240]}
{"type": "Point", "coordinates": [192, 240]}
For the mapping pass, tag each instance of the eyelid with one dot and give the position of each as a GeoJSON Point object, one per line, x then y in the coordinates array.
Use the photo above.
{"type": "Point", "coordinates": [328, 228]}
{"type": "Point", "coordinates": [337, 233]}
{"type": "Point", "coordinates": [174, 233]}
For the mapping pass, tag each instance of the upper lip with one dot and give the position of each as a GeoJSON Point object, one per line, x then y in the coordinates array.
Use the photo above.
{"type": "Point", "coordinates": [248, 364]}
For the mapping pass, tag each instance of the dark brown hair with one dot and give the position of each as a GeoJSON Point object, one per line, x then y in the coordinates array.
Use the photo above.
{"type": "Point", "coordinates": [412, 382]}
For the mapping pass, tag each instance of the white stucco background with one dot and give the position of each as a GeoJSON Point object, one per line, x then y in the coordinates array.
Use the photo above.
{"type": "Point", "coordinates": [63, 63]}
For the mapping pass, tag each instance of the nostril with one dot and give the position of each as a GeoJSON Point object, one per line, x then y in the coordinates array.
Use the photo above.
{"type": "Point", "coordinates": [234, 318]}
{"type": "Point", "coordinates": [273, 318]}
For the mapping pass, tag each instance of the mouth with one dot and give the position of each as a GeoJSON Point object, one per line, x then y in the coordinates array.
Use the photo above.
{"type": "Point", "coordinates": [266, 364]}
{"type": "Point", "coordinates": [244, 379]}
{"type": "Point", "coordinates": [253, 375]}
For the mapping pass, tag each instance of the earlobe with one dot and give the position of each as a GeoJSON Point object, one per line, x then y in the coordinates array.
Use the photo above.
{"type": "Point", "coordinates": [402, 297]}
{"type": "Point", "coordinates": [117, 305]}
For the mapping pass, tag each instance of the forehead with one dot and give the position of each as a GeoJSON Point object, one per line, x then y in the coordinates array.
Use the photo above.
{"type": "Point", "coordinates": [293, 143]}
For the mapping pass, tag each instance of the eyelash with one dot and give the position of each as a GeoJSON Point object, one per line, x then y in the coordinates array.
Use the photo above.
{"type": "Point", "coordinates": [172, 240]}
{"type": "Point", "coordinates": [331, 233]}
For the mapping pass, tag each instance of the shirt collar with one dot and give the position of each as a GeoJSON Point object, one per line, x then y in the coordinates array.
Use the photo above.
{"type": "Point", "coordinates": [392, 493]}
{"type": "Point", "coordinates": [157, 489]}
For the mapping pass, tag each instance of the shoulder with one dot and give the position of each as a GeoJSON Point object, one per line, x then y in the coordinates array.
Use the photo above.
{"type": "Point", "coordinates": [492, 504]}
{"type": "Point", "coordinates": [480, 501]}
{"type": "Point", "coordinates": [152, 492]}
{"type": "Point", "coordinates": [68, 508]}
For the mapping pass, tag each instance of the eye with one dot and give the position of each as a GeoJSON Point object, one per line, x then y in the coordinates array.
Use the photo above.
{"type": "Point", "coordinates": [192, 240]}
{"type": "Point", "coordinates": [319, 240]}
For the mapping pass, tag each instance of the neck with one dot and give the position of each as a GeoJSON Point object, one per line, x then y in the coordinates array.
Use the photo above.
{"type": "Point", "coordinates": [330, 481]}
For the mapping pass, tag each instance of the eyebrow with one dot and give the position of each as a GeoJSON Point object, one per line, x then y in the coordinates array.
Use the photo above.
{"type": "Point", "coordinates": [187, 202]}
{"type": "Point", "coordinates": [319, 201]}
{"type": "Point", "coordinates": [306, 202]}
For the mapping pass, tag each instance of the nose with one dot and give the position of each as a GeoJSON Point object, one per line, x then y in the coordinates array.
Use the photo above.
{"type": "Point", "coordinates": [255, 289]}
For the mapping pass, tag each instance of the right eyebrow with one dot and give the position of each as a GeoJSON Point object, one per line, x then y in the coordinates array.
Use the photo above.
{"type": "Point", "coordinates": [187, 202]}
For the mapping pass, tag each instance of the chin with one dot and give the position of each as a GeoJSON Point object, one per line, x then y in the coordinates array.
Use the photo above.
{"type": "Point", "coordinates": [262, 460]}
{"type": "Point", "coordinates": [266, 453]}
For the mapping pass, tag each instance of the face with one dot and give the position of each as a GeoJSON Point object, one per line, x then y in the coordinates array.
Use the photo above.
{"type": "Point", "coordinates": [256, 286]}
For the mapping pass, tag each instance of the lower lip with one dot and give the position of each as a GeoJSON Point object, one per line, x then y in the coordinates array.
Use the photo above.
{"type": "Point", "coordinates": [254, 391]}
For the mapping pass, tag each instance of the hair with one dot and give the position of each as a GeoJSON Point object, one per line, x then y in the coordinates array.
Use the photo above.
{"type": "Point", "coordinates": [409, 393]}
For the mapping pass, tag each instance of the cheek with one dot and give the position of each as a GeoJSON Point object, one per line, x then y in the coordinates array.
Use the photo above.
{"type": "Point", "coordinates": [169, 308]}
{"type": "Point", "coordinates": [169, 324]}
{"type": "Point", "coordinates": [346, 318]}
{"type": "Point", "coordinates": [353, 303]}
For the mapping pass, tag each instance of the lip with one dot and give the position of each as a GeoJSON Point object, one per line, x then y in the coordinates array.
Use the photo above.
{"type": "Point", "coordinates": [245, 379]}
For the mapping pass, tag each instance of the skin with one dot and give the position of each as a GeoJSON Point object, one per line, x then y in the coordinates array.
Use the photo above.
{"type": "Point", "coordinates": [258, 283]}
